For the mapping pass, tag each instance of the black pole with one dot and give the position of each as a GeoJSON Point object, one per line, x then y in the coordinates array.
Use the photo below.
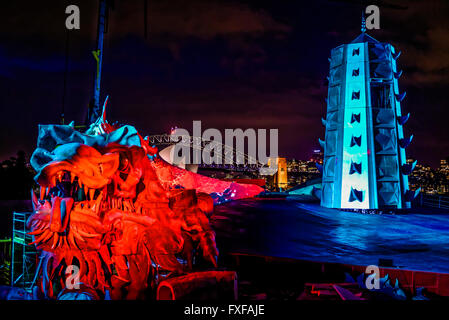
{"type": "Point", "coordinates": [145, 9]}
{"type": "Point", "coordinates": [94, 110]}
{"type": "Point", "coordinates": [66, 70]}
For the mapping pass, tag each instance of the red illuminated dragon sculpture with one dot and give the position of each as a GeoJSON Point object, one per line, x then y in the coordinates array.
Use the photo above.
{"type": "Point", "coordinates": [112, 218]}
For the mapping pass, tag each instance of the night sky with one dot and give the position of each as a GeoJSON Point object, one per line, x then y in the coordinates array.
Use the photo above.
{"type": "Point", "coordinates": [231, 64]}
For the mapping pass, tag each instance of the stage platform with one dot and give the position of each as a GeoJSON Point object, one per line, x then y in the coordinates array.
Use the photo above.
{"type": "Point", "coordinates": [415, 241]}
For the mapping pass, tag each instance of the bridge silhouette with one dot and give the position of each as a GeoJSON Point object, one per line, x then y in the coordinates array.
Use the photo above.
{"type": "Point", "coordinates": [229, 159]}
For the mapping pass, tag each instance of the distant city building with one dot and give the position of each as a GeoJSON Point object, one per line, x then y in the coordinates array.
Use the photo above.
{"type": "Point", "coordinates": [431, 181]}
{"type": "Point", "coordinates": [317, 156]}
{"type": "Point", "coordinates": [444, 166]}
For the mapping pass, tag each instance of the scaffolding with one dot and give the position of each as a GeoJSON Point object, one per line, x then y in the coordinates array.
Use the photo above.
{"type": "Point", "coordinates": [23, 256]}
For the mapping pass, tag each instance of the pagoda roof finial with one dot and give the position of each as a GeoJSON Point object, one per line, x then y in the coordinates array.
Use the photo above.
{"type": "Point", "coordinates": [363, 28]}
{"type": "Point", "coordinates": [364, 37]}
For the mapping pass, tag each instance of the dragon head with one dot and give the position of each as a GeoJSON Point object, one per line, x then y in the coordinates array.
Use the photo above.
{"type": "Point", "coordinates": [80, 179]}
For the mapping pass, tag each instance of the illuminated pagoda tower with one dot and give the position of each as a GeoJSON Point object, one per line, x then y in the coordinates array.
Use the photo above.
{"type": "Point", "coordinates": [364, 149]}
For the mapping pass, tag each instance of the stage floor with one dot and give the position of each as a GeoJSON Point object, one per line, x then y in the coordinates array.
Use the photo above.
{"type": "Point", "coordinates": [291, 229]}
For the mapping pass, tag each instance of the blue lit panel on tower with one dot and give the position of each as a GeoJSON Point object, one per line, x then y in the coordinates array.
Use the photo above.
{"type": "Point", "coordinates": [355, 149]}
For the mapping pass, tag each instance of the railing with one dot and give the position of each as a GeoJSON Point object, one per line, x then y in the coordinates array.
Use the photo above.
{"type": "Point", "coordinates": [5, 249]}
{"type": "Point", "coordinates": [5, 261]}
{"type": "Point", "coordinates": [433, 201]}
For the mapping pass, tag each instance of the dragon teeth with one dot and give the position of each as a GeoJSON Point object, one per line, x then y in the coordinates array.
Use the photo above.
{"type": "Point", "coordinates": [96, 207]}
{"type": "Point", "coordinates": [91, 194]}
{"type": "Point", "coordinates": [42, 193]}
{"type": "Point", "coordinates": [99, 198]}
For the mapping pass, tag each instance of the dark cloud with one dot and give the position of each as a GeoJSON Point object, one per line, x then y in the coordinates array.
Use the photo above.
{"type": "Point", "coordinates": [200, 19]}
{"type": "Point", "coordinates": [422, 33]}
